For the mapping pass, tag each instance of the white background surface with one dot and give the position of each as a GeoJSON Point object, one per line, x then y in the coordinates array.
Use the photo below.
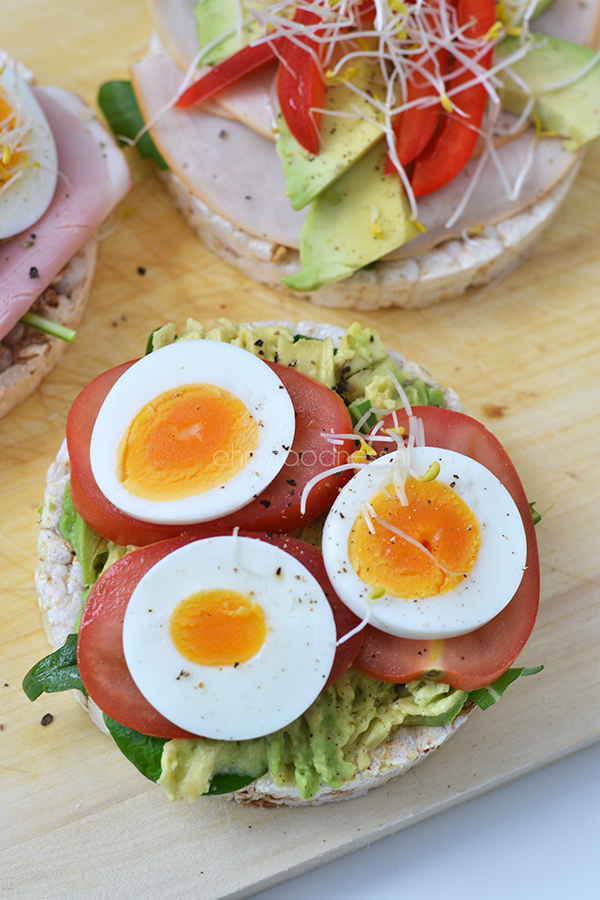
{"type": "Point", "coordinates": [536, 838]}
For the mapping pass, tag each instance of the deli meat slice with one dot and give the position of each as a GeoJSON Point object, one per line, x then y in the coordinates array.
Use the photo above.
{"type": "Point", "coordinates": [93, 177]}
{"type": "Point", "coordinates": [232, 169]}
{"type": "Point", "coordinates": [237, 173]}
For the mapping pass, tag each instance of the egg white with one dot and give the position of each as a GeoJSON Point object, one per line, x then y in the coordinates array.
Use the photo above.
{"type": "Point", "coordinates": [255, 697]}
{"type": "Point", "coordinates": [193, 362]}
{"type": "Point", "coordinates": [27, 198]}
{"type": "Point", "coordinates": [479, 597]}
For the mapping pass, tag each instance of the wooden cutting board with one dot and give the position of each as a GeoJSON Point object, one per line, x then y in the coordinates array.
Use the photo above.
{"type": "Point", "coordinates": [76, 820]}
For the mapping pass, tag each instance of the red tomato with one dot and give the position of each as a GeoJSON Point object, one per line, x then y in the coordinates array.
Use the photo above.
{"type": "Point", "coordinates": [318, 409]}
{"type": "Point", "coordinates": [100, 656]}
{"type": "Point", "coordinates": [476, 659]}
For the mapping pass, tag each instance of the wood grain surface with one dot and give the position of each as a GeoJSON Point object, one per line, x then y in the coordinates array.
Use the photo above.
{"type": "Point", "coordinates": [76, 820]}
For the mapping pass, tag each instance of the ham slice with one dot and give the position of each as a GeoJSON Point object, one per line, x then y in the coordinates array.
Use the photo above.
{"type": "Point", "coordinates": [93, 178]}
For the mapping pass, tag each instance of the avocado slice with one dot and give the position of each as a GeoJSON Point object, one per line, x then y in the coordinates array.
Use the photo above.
{"type": "Point", "coordinates": [512, 11]}
{"type": "Point", "coordinates": [363, 216]}
{"type": "Point", "coordinates": [219, 19]}
{"type": "Point", "coordinates": [571, 112]}
{"type": "Point", "coordinates": [350, 126]}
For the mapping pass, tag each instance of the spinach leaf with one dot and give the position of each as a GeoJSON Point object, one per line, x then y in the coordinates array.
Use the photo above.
{"type": "Point", "coordinates": [56, 672]}
{"type": "Point", "coordinates": [117, 101]}
{"type": "Point", "coordinates": [227, 782]}
{"type": "Point", "coordinates": [143, 750]}
{"type": "Point", "coordinates": [489, 695]}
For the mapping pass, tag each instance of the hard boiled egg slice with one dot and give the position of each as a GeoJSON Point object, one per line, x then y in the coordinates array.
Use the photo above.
{"type": "Point", "coordinates": [229, 638]}
{"type": "Point", "coordinates": [440, 565]}
{"type": "Point", "coordinates": [191, 432]}
{"type": "Point", "coordinates": [28, 160]}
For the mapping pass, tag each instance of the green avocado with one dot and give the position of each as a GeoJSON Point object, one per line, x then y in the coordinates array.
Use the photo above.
{"type": "Point", "coordinates": [94, 552]}
{"type": "Point", "coordinates": [328, 744]}
{"type": "Point", "coordinates": [356, 221]}
{"type": "Point", "coordinates": [571, 111]}
{"type": "Point", "coordinates": [220, 29]}
{"type": "Point", "coordinates": [513, 11]}
{"type": "Point", "coordinates": [350, 126]}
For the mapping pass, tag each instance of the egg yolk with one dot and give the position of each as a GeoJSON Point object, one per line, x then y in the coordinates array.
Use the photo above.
{"type": "Point", "coordinates": [186, 441]}
{"type": "Point", "coordinates": [438, 519]}
{"type": "Point", "coordinates": [218, 627]}
{"type": "Point", "coordinates": [10, 157]}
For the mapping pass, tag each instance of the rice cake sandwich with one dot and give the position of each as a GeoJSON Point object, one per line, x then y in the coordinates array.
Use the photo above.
{"type": "Point", "coordinates": [61, 175]}
{"type": "Point", "coordinates": [278, 563]}
{"type": "Point", "coordinates": [366, 154]}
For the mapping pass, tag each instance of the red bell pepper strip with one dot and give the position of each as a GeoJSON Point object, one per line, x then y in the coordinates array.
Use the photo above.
{"type": "Point", "coordinates": [414, 127]}
{"type": "Point", "coordinates": [454, 141]}
{"type": "Point", "coordinates": [248, 59]}
{"type": "Point", "coordinates": [301, 85]}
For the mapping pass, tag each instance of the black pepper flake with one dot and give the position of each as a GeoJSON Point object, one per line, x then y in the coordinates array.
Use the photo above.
{"type": "Point", "coordinates": [223, 134]}
{"type": "Point", "coordinates": [141, 270]}
{"type": "Point", "coordinates": [34, 272]}
{"type": "Point", "coordinates": [235, 665]}
{"type": "Point", "coordinates": [47, 719]}
{"type": "Point", "coordinates": [292, 482]}
{"type": "Point", "coordinates": [278, 572]}
{"type": "Point", "coordinates": [259, 342]}
{"type": "Point", "coordinates": [266, 503]}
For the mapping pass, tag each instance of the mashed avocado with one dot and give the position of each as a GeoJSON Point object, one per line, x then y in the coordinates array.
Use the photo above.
{"type": "Point", "coordinates": [327, 745]}
{"type": "Point", "coordinates": [359, 369]}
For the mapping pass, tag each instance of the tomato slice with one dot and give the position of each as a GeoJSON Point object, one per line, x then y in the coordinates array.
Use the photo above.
{"type": "Point", "coordinates": [318, 409]}
{"type": "Point", "coordinates": [473, 660]}
{"type": "Point", "coordinates": [453, 143]}
{"type": "Point", "coordinates": [301, 85]}
{"type": "Point", "coordinates": [247, 60]}
{"type": "Point", "coordinates": [100, 655]}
